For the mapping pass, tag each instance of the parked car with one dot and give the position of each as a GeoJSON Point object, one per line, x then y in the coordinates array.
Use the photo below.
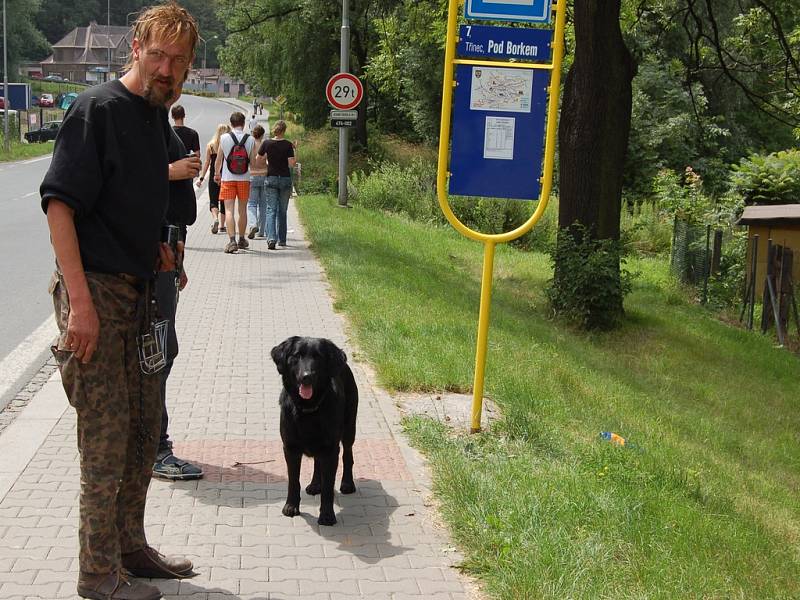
{"type": "Point", "coordinates": [34, 100]}
{"type": "Point", "coordinates": [54, 78]}
{"type": "Point", "coordinates": [48, 132]}
{"type": "Point", "coordinates": [2, 102]}
{"type": "Point", "coordinates": [46, 100]}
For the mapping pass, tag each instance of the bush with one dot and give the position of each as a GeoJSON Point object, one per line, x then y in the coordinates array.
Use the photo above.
{"type": "Point", "coordinates": [590, 281]}
{"type": "Point", "coordinates": [768, 179]}
{"type": "Point", "coordinates": [410, 190]}
{"type": "Point", "coordinates": [320, 171]}
{"type": "Point", "coordinates": [645, 230]}
{"type": "Point", "coordinates": [725, 289]}
{"type": "Point", "coordinates": [682, 196]}
{"type": "Point", "coordinates": [403, 190]}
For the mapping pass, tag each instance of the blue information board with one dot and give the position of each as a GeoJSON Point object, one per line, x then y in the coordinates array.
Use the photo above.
{"type": "Point", "coordinates": [498, 132]}
{"type": "Point", "coordinates": [529, 11]}
{"type": "Point", "coordinates": [18, 97]}
{"type": "Point", "coordinates": [482, 41]}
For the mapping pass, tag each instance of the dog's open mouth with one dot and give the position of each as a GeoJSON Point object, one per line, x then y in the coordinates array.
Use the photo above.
{"type": "Point", "coordinates": [306, 391]}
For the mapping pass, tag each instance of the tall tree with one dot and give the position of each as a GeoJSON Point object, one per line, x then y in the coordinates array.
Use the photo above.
{"type": "Point", "coordinates": [595, 120]}
{"type": "Point", "coordinates": [25, 42]}
{"type": "Point", "coordinates": [291, 47]}
{"type": "Point", "coordinates": [593, 139]}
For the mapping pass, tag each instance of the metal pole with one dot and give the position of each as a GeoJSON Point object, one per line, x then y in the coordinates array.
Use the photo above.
{"type": "Point", "coordinates": [483, 335]}
{"type": "Point", "coordinates": [344, 67]}
{"type": "Point", "coordinates": [5, 82]}
{"type": "Point", "coordinates": [108, 38]}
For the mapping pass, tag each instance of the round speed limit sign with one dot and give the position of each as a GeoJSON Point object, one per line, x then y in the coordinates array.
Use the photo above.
{"type": "Point", "coordinates": [344, 91]}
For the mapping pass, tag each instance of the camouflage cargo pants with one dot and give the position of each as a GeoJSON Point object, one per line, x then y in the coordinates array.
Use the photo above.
{"type": "Point", "coordinates": [115, 404]}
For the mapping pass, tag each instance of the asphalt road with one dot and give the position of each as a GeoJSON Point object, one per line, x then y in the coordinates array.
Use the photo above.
{"type": "Point", "coordinates": [28, 258]}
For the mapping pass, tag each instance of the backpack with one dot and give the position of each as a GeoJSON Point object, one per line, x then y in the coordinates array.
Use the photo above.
{"type": "Point", "coordinates": [238, 160]}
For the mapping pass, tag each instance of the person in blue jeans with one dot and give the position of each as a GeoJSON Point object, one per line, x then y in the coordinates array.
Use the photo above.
{"type": "Point", "coordinates": [280, 157]}
{"type": "Point", "coordinates": [257, 202]}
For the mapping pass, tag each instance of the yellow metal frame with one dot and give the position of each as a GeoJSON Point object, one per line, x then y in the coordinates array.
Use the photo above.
{"type": "Point", "coordinates": [491, 240]}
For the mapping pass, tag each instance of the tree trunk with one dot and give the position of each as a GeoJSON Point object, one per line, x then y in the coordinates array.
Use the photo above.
{"type": "Point", "coordinates": [588, 286]}
{"type": "Point", "coordinates": [595, 121]}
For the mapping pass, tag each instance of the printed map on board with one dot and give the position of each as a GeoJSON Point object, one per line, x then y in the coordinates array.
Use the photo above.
{"type": "Point", "coordinates": [503, 90]}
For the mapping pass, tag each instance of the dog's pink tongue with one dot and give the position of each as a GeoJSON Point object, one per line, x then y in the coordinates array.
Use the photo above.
{"type": "Point", "coordinates": [306, 391]}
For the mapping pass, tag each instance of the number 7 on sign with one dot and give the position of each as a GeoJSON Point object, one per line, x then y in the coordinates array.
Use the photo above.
{"type": "Point", "coordinates": [344, 91]}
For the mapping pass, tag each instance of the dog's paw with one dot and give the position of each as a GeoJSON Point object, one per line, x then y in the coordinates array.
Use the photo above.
{"type": "Point", "coordinates": [312, 489]}
{"type": "Point", "coordinates": [347, 487]}
{"type": "Point", "coordinates": [291, 510]}
{"type": "Point", "coordinates": [326, 518]}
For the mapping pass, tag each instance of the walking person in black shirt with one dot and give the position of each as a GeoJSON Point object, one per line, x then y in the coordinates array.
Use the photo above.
{"type": "Point", "coordinates": [189, 137]}
{"type": "Point", "coordinates": [105, 195]}
{"type": "Point", "coordinates": [280, 159]}
{"type": "Point", "coordinates": [181, 213]}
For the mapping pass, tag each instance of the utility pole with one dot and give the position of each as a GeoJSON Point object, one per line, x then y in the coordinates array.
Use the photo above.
{"type": "Point", "coordinates": [6, 99]}
{"type": "Point", "coordinates": [344, 67]}
{"type": "Point", "coordinates": [108, 38]}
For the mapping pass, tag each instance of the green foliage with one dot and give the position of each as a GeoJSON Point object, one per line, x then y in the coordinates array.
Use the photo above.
{"type": "Point", "coordinates": [645, 230]}
{"type": "Point", "coordinates": [590, 280]}
{"type": "Point", "coordinates": [406, 69]}
{"type": "Point", "coordinates": [701, 504]}
{"type": "Point", "coordinates": [683, 197]}
{"type": "Point", "coordinates": [769, 179]}
{"type": "Point", "coordinates": [403, 190]}
{"type": "Point", "coordinates": [726, 287]}
{"type": "Point", "coordinates": [410, 189]}
{"type": "Point", "coordinates": [671, 126]}
{"type": "Point", "coordinates": [25, 41]}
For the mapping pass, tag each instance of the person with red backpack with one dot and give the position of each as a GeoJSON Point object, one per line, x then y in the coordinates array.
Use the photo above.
{"type": "Point", "coordinates": [233, 175]}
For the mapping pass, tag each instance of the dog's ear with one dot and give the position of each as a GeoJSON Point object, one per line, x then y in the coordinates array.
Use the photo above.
{"type": "Point", "coordinates": [281, 352]}
{"type": "Point", "coordinates": [335, 355]}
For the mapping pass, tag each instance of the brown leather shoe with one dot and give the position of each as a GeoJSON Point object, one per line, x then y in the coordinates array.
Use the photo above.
{"type": "Point", "coordinates": [115, 586]}
{"type": "Point", "coordinates": [150, 563]}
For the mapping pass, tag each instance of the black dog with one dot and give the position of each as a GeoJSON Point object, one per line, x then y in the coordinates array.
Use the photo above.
{"type": "Point", "coordinates": [318, 402]}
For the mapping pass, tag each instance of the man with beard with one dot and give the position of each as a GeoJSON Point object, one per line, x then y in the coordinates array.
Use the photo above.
{"type": "Point", "coordinates": [105, 195]}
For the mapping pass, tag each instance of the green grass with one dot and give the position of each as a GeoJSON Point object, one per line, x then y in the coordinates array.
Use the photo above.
{"type": "Point", "coordinates": [20, 151]}
{"type": "Point", "coordinates": [706, 503]}
{"type": "Point", "coordinates": [39, 86]}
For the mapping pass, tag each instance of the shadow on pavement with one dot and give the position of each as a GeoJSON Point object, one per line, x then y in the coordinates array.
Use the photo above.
{"type": "Point", "coordinates": [364, 519]}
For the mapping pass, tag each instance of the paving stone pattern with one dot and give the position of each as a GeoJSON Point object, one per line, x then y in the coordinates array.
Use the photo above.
{"type": "Point", "coordinates": [222, 398]}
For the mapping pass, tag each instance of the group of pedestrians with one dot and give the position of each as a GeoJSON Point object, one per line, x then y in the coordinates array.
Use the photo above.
{"type": "Point", "coordinates": [251, 182]}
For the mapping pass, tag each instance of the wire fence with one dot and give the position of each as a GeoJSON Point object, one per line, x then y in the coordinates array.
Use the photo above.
{"type": "Point", "coordinates": [690, 260]}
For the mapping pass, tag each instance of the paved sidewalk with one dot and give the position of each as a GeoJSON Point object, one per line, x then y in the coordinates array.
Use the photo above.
{"type": "Point", "coordinates": [222, 397]}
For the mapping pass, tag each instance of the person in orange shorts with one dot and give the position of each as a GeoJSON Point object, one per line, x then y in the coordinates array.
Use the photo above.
{"type": "Point", "coordinates": [233, 175]}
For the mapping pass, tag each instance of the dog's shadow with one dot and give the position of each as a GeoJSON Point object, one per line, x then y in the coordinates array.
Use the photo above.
{"type": "Point", "coordinates": [364, 521]}
{"type": "Point", "coordinates": [364, 518]}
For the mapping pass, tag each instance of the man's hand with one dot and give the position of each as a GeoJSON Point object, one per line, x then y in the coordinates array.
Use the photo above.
{"type": "Point", "coordinates": [183, 280]}
{"type": "Point", "coordinates": [185, 168]}
{"type": "Point", "coordinates": [83, 330]}
{"type": "Point", "coordinates": [167, 261]}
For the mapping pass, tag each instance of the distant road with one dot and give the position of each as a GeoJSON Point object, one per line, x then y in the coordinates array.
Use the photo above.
{"type": "Point", "coordinates": [27, 257]}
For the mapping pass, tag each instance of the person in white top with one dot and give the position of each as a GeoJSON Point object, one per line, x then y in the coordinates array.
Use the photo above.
{"type": "Point", "coordinates": [233, 175]}
{"type": "Point", "coordinates": [252, 122]}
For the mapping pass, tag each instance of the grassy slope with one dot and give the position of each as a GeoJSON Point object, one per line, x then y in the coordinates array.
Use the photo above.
{"type": "Point", "coordinates": [705, 506]}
